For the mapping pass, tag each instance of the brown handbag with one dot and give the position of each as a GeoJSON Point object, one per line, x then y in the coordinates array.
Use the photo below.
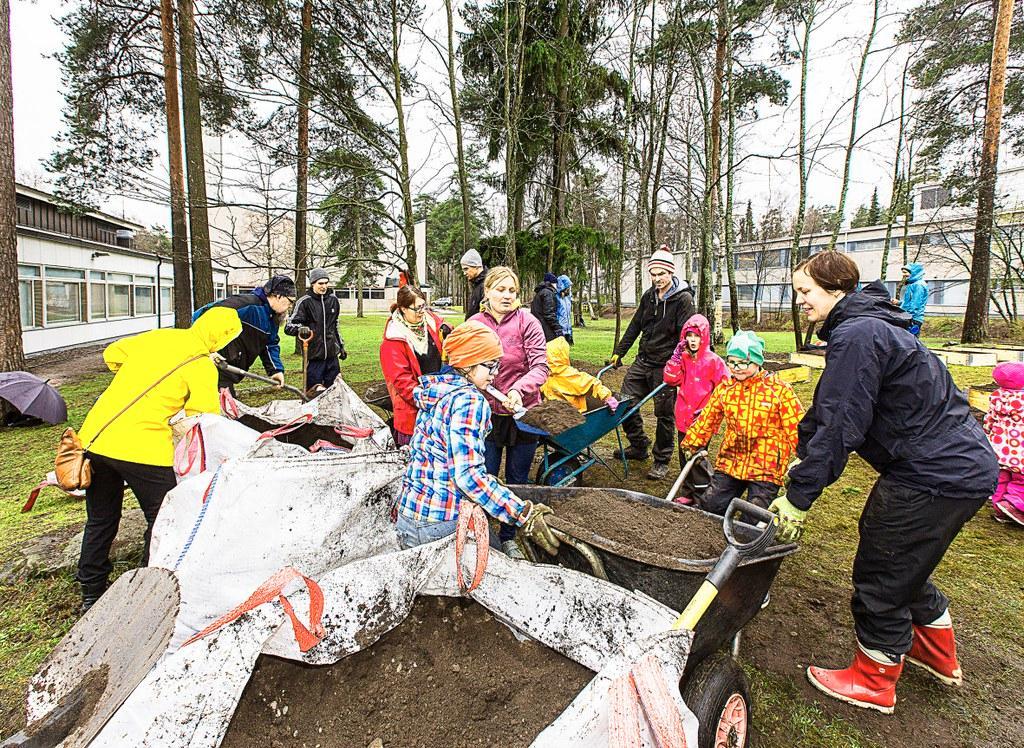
{"type": "Point", "coordinates": [71, 466]}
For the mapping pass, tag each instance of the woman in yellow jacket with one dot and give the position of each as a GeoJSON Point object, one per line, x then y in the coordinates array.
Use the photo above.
{"type": "Point", "coordinates": [174, 370]}
{"type": "Point", "coordinates": [565, 382]}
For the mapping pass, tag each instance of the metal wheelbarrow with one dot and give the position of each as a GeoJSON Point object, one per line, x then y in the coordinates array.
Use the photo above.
{"type": "Point", "coordinates": [713, 684]}
{"type": "Point", "coordinates": [570, 453]}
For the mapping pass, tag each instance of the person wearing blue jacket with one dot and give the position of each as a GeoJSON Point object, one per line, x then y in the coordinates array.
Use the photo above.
{"type": "Point", "coordinates": [885, 396]}
{"type": "Point", "coordinates": [261, 312]}
{"type": "Point", "coordinates": [564, 289]}
{"type": "Point", "coordinates": [915, 295]}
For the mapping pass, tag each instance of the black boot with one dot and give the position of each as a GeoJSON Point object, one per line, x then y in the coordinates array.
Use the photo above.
{"type": "Point", "coordinates": [90, 595]}
{"type": "Point", "coordinates": [632, 452]}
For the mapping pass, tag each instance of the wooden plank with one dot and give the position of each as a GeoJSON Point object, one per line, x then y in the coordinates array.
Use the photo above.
{"type": "Point", "coordinates": [966, 358]}
{"type": "Point", "coordinates": [105, 655]}
{"type": "Point", "coordinates": [1001, 354]}
{"type": "Point", "coordinates": [978, 398]}
{"type": "Point", "coordinates": [795, 375]}
{"type": "Point", "coordinates": [813, 360]}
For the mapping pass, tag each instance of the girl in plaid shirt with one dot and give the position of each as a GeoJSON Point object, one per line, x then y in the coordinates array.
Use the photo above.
{"type": "Point", "coordinates": [446, 462]}
{"type": "Point", "coordinates": [761, 414]}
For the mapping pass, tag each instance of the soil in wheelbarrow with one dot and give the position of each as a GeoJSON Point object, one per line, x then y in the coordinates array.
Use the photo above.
{"type": "Point", "coordinates": [553, 416]}
{"type": "Point", "coordinates": [449, 675]}
{"type": "Point", "coordinates": [661, 530]}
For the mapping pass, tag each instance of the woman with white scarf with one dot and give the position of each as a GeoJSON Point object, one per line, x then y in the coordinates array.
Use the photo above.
{"type": "Point", "coordinates": [411, 348]}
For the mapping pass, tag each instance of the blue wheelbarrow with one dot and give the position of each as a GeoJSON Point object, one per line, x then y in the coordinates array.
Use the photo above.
{"type": "Point", "coordinates": [570, 453]}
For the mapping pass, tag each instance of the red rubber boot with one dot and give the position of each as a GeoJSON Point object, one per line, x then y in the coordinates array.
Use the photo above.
{"type": "Point", "coordinates": [934, 649]}
{"type": "Point", "coordinates": [867, 683]}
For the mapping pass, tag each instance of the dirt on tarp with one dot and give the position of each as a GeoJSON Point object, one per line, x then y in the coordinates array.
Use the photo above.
{"type": "Point", "coordinates": [305, 435]}
{"type": "Point", "coordinates": [778, 365]}
{"type": "Point", "coordinates": [662, 530]}
{"type": "Point", "coordinates": [449, 675]}
{"type": "Point", "coordinates": [553, 416]}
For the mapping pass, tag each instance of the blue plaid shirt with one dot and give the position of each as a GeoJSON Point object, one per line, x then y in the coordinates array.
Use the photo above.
{"type": "Point", "coordinates": [447, 460]}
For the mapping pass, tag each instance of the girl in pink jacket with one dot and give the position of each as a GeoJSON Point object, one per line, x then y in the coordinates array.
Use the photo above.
{"type": "Point", "coordinates": [695, 370]}
{"type": "Point", "coordinates": [1004, 424]}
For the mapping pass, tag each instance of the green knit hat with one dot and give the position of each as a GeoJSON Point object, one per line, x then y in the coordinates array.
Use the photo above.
{"type": "Point", "coordinates": [746, 345]}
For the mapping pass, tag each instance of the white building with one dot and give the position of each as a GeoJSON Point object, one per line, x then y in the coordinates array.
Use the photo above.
{"type": "Point", "coordinates": [81, 278]}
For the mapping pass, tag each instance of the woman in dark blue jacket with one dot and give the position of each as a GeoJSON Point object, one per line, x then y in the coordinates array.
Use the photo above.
{"type": "Point", "coordinates": [888, 398]}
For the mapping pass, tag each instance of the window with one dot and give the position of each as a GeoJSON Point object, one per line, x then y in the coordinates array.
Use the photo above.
{"type": "Point", "coordinates": [119, 295]}
{"type": "Point", "coordinates": [343, 293]}
{"type": "Point", "coordinates": [30, 296]}
{"type": "Point", "coordinates": [166, 299]}
{"type": "Point", "coordinates": [934, 197]}
{"type": "Point", "coordinates": [144, 300]}
{"type": "Point", "coordinates": [64, 295]}
{"type": "Point", "coordinates": [376, 293]}
{"type": "Point", "coordinates": [24, 209]}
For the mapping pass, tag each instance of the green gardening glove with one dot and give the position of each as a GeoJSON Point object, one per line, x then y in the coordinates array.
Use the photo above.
{"type": "Point", "coordinates": [791, 519]}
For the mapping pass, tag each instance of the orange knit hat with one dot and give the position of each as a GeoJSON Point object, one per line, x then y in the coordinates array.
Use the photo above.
{"type": "Point", "coordinates": [472, 343]}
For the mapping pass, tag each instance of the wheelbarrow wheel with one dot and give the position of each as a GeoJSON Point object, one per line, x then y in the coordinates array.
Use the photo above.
{"type": "Point", "coordinates": [718, 693]}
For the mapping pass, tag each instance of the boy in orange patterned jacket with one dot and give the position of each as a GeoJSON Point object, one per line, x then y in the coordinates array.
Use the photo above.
{"type": "Point", "coordinates": [761, 414]}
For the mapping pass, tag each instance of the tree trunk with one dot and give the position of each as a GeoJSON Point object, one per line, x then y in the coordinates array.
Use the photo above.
{"type": "Point", "coordinates": [624, 153]}
{"type": "Point", "coordinates": [302, 149]}
{"type": "Point", "coordinates": [457, 116]}
{"type": "Point", "coordinates": [896, 193]}
{"type": "Point", "coordinates": [976, 315]}
{"type": "Point", "coordinates": [359, 262]}
{"type": "Point", "coordinates": [798, 227]}
{"type": "Point", "coordinates": [12, 352]}
{"type": "Point", "coordinates": [844, 187]}
{"type": "Point", "coordinates": [730, 150]}
{"type": "Point", "coordinates": [706, 291]}
{"type": "Point", "coordinates": [179, 227]}
{"type": "Point", "coordinates": [404, 177]}
{"type": "Point", "coordinates": [199, 224]}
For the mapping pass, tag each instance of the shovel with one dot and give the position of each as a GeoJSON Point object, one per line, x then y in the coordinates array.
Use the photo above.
{"type": "Point", "coordinates": [305, 358]}
{"type": "Point", "coordinates": [101, 660]}
{"type": "Point", "coordinates": [224, 366]}
{"type": "Point", "coordinates": [501, 397]}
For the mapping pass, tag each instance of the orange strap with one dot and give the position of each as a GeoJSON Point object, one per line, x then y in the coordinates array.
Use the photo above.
{"type": "Point", "coordinates": [472, 517]}
{"type": "Point", "coordinates": [293, 424]}
{"type": "Point", "coordinates": [307, 638]}
{"type": "Point", "coordinates": [643, 687]}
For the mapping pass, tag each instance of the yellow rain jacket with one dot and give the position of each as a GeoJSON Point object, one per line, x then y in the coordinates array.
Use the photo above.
{"type": "Point", "coordinates": [566, 382]}
{"type": "Point", "coordinates": [142, 434]}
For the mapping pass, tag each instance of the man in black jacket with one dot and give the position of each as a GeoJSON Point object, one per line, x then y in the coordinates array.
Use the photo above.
{"type": "Point", "coordinates": [545, 307]}
{"type": "Point", "coordinates": [317, 313]}
{"type": "Point", "coordinates": [659, 319]}
{"type": "Point", "coordinates": [476, 274]}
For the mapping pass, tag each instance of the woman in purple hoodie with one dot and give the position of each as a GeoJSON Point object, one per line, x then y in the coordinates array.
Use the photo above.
{"type": "Point", "coordinates": [523, 369]}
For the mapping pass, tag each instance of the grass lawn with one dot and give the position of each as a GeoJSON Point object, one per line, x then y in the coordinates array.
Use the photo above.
{"type": "Point", "coordinates": [808, 620]}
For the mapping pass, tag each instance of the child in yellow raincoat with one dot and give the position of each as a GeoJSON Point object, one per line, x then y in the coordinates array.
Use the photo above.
{"type": "Point", "coordinates": [565, 382]}
{"type": "Point", "coordinates": [761, 413]}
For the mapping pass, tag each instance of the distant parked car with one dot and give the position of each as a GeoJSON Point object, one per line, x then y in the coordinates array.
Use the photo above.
{"type": "Point", "coordinates": [443, 303]}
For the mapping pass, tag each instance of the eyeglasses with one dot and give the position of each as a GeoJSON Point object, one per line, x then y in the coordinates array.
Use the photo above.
{"type": "Point", "coordinates": [737, 365]}
{"type": "Point", "coordinates": [417, 309]}
{"type": "Point", "coordinates": [491, 366]}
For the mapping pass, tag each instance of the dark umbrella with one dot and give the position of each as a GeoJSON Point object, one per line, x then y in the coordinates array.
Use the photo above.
{"type": "Point", "coordinates": [32, 396]}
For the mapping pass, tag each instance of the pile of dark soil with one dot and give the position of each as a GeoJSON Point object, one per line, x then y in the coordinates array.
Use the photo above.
{"type": "Point", "coordinates": [553, 416]}
{"type": "Point", "coordinates": [449, 675]}
{"type": "Point", "coordinates": [778, 365]}
{"type": "Point", "coordinates": [990, 387]}
{"type": "Point", "coordinates": [979, 415]}
{"type": "Point", "coordinates": [305, 436]}
{"type": "Point", "coordinates": [661, 530]}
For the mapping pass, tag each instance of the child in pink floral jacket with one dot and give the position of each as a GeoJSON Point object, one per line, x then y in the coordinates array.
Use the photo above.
{"type": "Point", "coordinates": [1004, 425]}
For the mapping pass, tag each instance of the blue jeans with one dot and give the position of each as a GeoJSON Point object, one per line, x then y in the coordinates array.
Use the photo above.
{"type": "Point", "coordinates": [412, 532]}
{"type": "Point", "coordinates": [517, 469]}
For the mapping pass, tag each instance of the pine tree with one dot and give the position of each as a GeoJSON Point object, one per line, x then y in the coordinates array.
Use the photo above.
{"type": "Point", "coordinates": [874, 210]}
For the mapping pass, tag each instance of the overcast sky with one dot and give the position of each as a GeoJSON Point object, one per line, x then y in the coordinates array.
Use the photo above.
{"type": "Point", "coordinates": [763, 178]}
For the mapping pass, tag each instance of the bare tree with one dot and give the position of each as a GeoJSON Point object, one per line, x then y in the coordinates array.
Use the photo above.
{"type": "Point", "coordinates": [179, 227]}
{"type": "Point", "coordinates": [12, 354]}
{"type": "Point", "coordinates": [976, 316]}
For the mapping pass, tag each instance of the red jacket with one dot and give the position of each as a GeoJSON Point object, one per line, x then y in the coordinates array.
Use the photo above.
{"type": "Point", "coordinates": [402, 370]}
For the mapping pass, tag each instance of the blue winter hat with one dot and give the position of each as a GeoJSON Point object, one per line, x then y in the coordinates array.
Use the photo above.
{"type": "Point", "coordinates": [550, 278]}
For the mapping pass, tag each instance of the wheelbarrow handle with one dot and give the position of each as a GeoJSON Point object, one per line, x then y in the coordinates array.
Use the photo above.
{"type": "Point", "coordinates": [601, 372]}
{"type": "Point", "coordinates": [731, 557]}
{"type": "Point", "coordinates": [684, 472]}
{"type": "Point", "coordinates": [640, 403]}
